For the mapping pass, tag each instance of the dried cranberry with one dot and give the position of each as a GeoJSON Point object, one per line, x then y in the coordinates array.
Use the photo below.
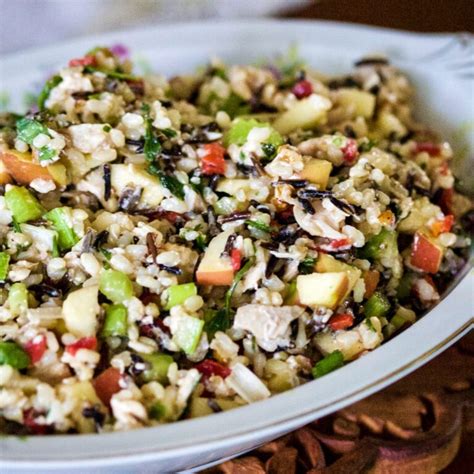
{"type": "Point", "coordinates": [210, 367]}
{"type": "Point", "coordinates": [350, 151]}
{"type": "Point", "coordinates": [302, 89]}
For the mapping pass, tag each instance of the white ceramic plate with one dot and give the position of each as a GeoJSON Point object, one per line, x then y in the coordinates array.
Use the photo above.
{"type": "Point", "coordinates": [442, 70]}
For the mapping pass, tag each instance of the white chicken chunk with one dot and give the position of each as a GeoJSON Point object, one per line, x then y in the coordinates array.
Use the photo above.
{"type": "Point", "coordinates": [269, 324]}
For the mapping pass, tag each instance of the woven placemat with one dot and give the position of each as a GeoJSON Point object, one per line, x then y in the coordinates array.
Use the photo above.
{"type": "Point", "coordinates": [421, 424]}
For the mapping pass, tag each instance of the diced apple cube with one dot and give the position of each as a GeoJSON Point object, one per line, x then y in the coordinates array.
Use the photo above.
{"type": "Point", "coordinates": [5, 177]}
{"type": "Point", "coordinates": [363, 102]}
{"type": "Point", "coordinates": [22, 168]}
{"type": "Point", "coordinates": [123, 176]}
{"type": "Point", "coordinates": [306, 114]}
{"type": "Point", "coordinates": [425, 254]}
{"type": "Point", "coordinates": [388, 124]}
{"type": "Point", "coordinates": [214, 268]}
{"type": "Point", "coordinates": [326, 263]}
{"type": "Point", "coordinates": [232, 186]}
{"type": "Point", "coordinates": [317, 172]}
{"type": "Point", "coordinates": [80, 311]}
{"type": "Point", "coordinates": [322, 289]}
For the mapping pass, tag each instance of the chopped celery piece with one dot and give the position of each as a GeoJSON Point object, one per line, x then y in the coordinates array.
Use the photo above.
{"type": "Point", "coordinates": [382, 244]}
{"type": "Point", "coordinates": [29, 129]}
{"type": "Point", "coordinates": [398, 321]}
{"type": "Point", "coordinates": [377, 305]}
{"type": "Point", "coordinates": [61, 218]}
{"type": "Point", "coordinates": [115, 323]}
{"type": "Point", "coordinates": [188, 333]}
{"type": "Point", "coordinates": [331, 362]}
{"type": "Point", "coordinates": [18, 298]}
{"type": "Point", "coordinates": [240, 129]}
{"type": "Point", "coordinates": [23, 205]}
{"type": "Point", "coordinates": [4, 261]}
{"type": "Point", "coordinates": [13, 355]}
{"type": "Point", "coordinates": [157, 367]}
{"type": "Point", "coordinates": [180, 293]}
{"type": "Point", "coordinates": [116, 286]}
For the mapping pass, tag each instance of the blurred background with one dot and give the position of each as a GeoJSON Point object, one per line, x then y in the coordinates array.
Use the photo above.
{"type": "Point", "coordinates": [29, 23]}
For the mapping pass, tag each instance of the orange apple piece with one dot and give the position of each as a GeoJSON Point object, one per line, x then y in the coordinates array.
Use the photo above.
{"type": "Point", "coordinates": [22, 168]}
{"type": "Point", "coordinates": [106, 384]}
{"type": "Point", "coordinates": [5, 177]}
{"type": "Point", "coordinates": [322, 289]}
{"type": "Point", "coordinates": [425, 254]}
{"type": "Point", "coordinates": [371, 280]}
{"type": "Point", "coordinates": [214, 268]}
{"type": "Point", "coordinates": [316, 171]}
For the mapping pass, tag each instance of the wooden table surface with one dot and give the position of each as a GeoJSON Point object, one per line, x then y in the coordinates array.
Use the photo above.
{"type": "Point", "coordinates": [413, 15]}
{"type": "Point", "coordinates": [422, 424]}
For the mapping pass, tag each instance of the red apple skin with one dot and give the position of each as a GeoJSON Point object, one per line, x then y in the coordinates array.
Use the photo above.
{"type": "Point", "coordinates": [425, 255]}
{"type": "Point", "coordinates": [371, 280]}
{"type": "Point", "coordinates": [106, 384]}
{"type": "Point", "coordinates": [22, 169]}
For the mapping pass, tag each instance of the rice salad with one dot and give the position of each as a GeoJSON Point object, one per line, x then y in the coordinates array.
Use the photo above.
{"type": "Point", "coordinates": [175, 248]}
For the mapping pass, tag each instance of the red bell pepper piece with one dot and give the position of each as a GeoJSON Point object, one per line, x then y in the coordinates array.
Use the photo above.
{"type": "Point", "coordinates": [350, 151]}
{"type": "Point", "coordinates": [425, 255]}
{"type": "Point", "coordinates": [431, 148]}
{"type": "Point", "coordinates": [36, 348]}
{"type": "Point", "coordinates": [236, 259]}
{"type": "Point", "coordinates": [83, 343]}
{"type": "Point", "coordinates": [85, 61]}
{"type": "Point", "coordinates": [107, 384]}
{"type": "Point", "coordinates": [442, 225]}
{"type": "Point", "coordinates": [210, 367]}
{"type": "Point", "coordinates": [334, 245]}
{"type": "Point", "coordinates": [341, 321]}
{"type": "Point", "coordinates": [302, 89]}
{"type": "Point", "coordinates": [213, 160]}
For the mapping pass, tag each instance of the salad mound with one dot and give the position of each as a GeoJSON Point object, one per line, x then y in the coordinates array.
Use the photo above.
{"type": "Point", "coordinates": [175, 248]}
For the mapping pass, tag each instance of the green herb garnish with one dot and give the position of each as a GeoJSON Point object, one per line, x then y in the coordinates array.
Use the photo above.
{"type": "Point", "coordinates": [16, 225]}
{"type": "Point", "coordinates": [152, 145]}
{"type": "Point", "coordinates": [169, 132]}
{"type": "Point", "coordinates": [201, 242]}
{"type": "Point", "coordinates": [216, 320]}
{"type": "Point", "coordinates": [219, 320]}
{"type": "Point", "coordinates": [167, 181]}
{"type": "Point", "coordinates": [307, 265]}
{"type": "Point", "coordinates": [367, 145]}
{"type": "Point", "coordinates": [270, 150]}
{"type": "Point", "coordinates": [115, 74]}
{"type": "Point", "coordinates": [48, 87]}
{"type": "Point", "coordinates": [238, 276]}
{"type": "Point", "coordinates": [259, 225]}
{"type": "Point", "coordinates": [46, 154]}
